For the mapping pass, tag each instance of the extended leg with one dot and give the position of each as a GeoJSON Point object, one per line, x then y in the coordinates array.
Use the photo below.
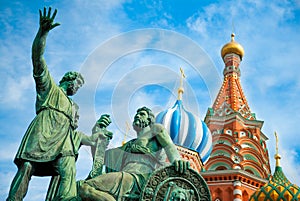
{"type": "Point", "coordinates": [107, 187]}
{"type": "Point", "coordinates": [88, 193]}
{"type": "Point", "coordinates": [19, 185]}
{"type": "Point", "coordinates": [65, 167]}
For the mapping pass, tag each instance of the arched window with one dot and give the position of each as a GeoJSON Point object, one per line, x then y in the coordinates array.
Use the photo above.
{"type": "Point", "coordinates": [248, 145]}
{"type": "Point", "coordinates": [245, 195]}
{"type": "Point", "coordinates": [229, 194]}
{"type": "Point", "coordinates": [228, 132]}
{"type": "Point", "coordinates": [219, 164]}
{"type": "Point", "coordinates": [221, 168]}
{"type": "Point", "coordinates": [242, 134]}
{"type": "Point", "coordinates": [250, 157]}
{"type": "Point", "coordinates": [220, 153]}
{"type": "Point", "coordinates": [250, 171]}
{"type": "Point", "coordinates": [218, 192]}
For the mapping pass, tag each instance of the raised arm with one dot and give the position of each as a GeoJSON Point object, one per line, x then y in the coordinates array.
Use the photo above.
{"type": "Point", "coordinates": [39, 43]}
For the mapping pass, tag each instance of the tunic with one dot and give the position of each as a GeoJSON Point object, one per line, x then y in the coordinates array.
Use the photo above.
{"type": "Point", "coordinates": [128, 168]}
{"type": "Point", "coordinates": [52, 133]}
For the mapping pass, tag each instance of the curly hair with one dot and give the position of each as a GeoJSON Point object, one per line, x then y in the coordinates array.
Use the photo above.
{"type": "Point", "coordinates": [70, 76]}
{"type": "Point", "coordinates": [149, 112]}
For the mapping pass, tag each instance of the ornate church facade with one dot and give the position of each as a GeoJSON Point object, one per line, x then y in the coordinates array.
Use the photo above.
{"type": "Point", "coordinates": [239, 162]}
{"type": "Point", "coordinates": [228, 148]}
{"type": "Point", "coordinates": [239, 167]}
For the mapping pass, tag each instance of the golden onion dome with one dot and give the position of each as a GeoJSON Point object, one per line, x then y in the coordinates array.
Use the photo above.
{"type": "Point", "coordinates": [232, 47]}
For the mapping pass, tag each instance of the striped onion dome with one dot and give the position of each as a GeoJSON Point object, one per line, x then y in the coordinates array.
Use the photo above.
{"type": "Point", "coordinates": [187, 130]}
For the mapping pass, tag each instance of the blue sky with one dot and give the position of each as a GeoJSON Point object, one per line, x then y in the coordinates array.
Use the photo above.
{"type": "Point", "coordinates": [130, 52]}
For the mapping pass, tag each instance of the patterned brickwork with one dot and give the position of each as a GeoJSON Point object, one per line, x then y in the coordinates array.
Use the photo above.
{"type": "Point", "coordinates": [239, 161]}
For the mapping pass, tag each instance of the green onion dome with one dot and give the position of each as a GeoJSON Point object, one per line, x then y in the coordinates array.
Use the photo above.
{"type": "Point", "coordinates": [279, 188]}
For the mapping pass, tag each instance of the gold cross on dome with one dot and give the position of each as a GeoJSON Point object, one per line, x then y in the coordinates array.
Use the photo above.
{"type": "Point", "coordinates": [276, 137]}
{"type": "Point", "coordinates": [182, 77]}
{"type": "Point", "coordinates": [181, 89]}
{"type": "Point", "coordinates": [277, 156]}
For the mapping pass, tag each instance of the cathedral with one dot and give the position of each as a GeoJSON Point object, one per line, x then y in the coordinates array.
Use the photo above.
{"type": "Point", "coordinates": [228, 148]}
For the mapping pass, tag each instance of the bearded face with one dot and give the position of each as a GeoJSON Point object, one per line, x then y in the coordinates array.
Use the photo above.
{"type": "Point", "coordinates": [71, 90]}
{"type": "Point", "coordinates": [73, 87]}
{"type": "Point", "coordinates": [141, 119]}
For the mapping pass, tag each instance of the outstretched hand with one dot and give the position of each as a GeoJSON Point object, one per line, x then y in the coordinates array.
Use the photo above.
{"type": "Point", "coordinates": [46, 21]}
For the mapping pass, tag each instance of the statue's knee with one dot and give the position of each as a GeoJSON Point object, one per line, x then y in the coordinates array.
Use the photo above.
{"type": "Point", "coordinates": [83, 190]}
{"type": "Point", "coordinates": [27, 166]}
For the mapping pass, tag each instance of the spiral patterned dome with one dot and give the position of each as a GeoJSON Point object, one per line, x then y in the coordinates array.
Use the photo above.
{"type": "Point", "coordinates": [187, 130]}
{"type": "Point", "coordinates": [278, 188]}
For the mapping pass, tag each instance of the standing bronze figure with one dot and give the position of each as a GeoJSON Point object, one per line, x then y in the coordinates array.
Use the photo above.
{"type": "Point", "coordinates": [51, 142]}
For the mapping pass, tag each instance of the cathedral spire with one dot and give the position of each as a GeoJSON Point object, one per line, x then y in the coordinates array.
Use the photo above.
{"type": "Point", "coordinates": [231, 97]}
{"type": "Point", "coordinates": [239, 161]}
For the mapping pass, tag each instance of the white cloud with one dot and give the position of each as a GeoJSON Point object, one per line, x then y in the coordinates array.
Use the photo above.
{"type": "Point", "coordinates": [9, 152]}
{"type": "Point", "coordinates": [197, 24]}
{"type": "Point", "coordinates": [15, 90]}
{"type": "Point", "coordinates": [6, 178]}
{"type": "Point", "coordinates": [290, 165]}
{"type": "Point", "coordinates": [36, 191]}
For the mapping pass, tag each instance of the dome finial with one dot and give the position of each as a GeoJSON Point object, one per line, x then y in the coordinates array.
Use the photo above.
{"type": "Point", "coordinates": [277, 156]}
{"type": "Point", "coordinates": [181, 89]}
{"type": "Point", "coordinates": [232, 37]}
{"type": "Point", "coordinates": [232, 47]}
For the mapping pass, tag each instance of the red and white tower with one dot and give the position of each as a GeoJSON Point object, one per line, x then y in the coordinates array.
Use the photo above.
{"type": "Point", "coordinates": [239, 162]}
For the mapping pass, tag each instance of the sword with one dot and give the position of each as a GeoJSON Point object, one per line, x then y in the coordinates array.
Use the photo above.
{"type": "Point", "coordinates": [101, 144]}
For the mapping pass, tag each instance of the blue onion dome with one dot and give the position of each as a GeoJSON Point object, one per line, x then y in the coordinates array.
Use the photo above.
{"type": "Point", "coordinates": [187, 130]}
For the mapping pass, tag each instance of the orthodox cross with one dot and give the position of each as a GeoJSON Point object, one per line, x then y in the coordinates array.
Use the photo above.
{"type": "Point", "coordinates": [277, 156]}
{"type": "Point", "coordinates": [276, 137]}
{"type": "Point", "coordinates": [181, 89]}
